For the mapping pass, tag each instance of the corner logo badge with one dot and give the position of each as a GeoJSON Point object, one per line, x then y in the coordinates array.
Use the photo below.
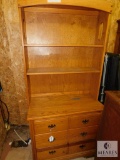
{"type": "Point", "coordinates": [107, 148]}
{"type": "Point", "coordinates": [107, 145]}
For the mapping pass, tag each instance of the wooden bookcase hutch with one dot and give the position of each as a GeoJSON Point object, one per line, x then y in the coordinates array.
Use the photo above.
{"type": "Point", "coordinates": [64, 44]}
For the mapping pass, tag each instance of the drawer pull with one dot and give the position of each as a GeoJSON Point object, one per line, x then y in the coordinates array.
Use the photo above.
{"type": "Point", "coordinates": [52, 126]}
{"type": "Point", "coordinates": [82, 146]}
{"type": "Point", "coordinates": [52, 152]}
{"type": "Point", "coordinates": [85, 121]}
{"type": "Point", "coordinates": [51, 139]}
{"type": "Point", "coordinates": [83, 134]}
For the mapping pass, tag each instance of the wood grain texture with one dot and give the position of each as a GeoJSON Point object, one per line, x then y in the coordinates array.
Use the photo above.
{"type": "Point", "coordinates": [61, 83]}
{"type": "Point", "coordinates": [57, 106]}
{"type": "Point", "coordinates": [53, 153]}
{"type": "Point", "coordinates": [31, 124]}
{"type": "Point", "coordinates": [82, 134]}
{"type": "Point", "coordinates": [62, 28]}
{"type": "Point", "coordinates": [63, 57]}
{"type": "Point", "coordinates": [64, 46]}
{"type": "Point", "coordinates": [78, 121]}
{"type": "Point", "coordinates": [50, 125]}
{"type": "Point", "coordinates": [83, 146]}
{"type": "Point", "coordinates": [59, 10]}
{"type": "Point", "coordinates": [60, 138]}
{"type": "Point", "coordinates": [100, 5]}
{"type": "Point", "coordinates": [89, 153]}
{"type": "Point", "coordinates": [110, 122]}
{"type": "Point", "coordinates": [46, 71]}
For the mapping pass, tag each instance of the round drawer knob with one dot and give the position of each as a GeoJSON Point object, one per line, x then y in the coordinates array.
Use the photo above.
{"type": "Point", "coordinates": [51, 139]}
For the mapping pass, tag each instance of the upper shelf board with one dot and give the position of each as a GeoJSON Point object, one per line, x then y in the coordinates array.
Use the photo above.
{"type": "Point", "coordinates": [38, 71]}
{"type": "Point", "coordinates": [95, 4]}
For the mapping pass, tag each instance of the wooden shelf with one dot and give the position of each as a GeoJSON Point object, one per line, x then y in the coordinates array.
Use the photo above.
{"type": "Point", "coordinates": [41, 71]}
{"type": "Point", "coordinates": [59, 10]}
{"type": "Point", "coordinates": [40, 107]}
{"type": "Point", "coordinates": [62, 45]}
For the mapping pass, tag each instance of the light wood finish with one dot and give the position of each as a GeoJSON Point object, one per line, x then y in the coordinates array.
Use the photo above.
{"type": "Point", "coordinates": [59, 11]}
{"type": "Point", "coordinates": [84, 120]}
{"type": "Point", "coordinates": [64, 43]}
{"type": "Point", "coordinates": [51, 125]}
{"type": "Point", "coordinates": [50, 106]}
{"type": "Point", "coordinates": [60, 138]}
{"type": "Point", "coordinates": [82, 134]}
{"type": "Point", "coordinates": [67, 29]}
{"type": "Point", "coordinates": [101, 5]}
{"type": "Point", "coordinates": [117, 40]}
{"type": "Point", "coordinates": [82, 147]}
{"type": "Point", "coordinates": [88, 153]}
{"type": "Point", "coordinates": [49, 154]}
{"type": "Point", "coordinates": [64, 57]}
{"type": "Point", "coordinates": [63, 83]}
{"type": "Point", "coordinates": [37, 71]}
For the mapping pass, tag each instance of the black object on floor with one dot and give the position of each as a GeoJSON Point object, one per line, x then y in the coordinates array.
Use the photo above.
{"type": "Point", "coordinates": [19, 144]}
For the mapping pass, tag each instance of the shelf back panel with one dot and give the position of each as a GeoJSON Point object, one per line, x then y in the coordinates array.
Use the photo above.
{"type": "Point", "coordinates": [63, 57]}
{"type": "Point", "coordinates": [53, 28]}
{"type": "Point", "coordinates": [43, 84]}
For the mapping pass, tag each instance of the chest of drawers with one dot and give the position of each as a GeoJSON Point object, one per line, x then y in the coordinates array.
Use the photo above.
{"type": "Point", "coordinates": [64, 132]}
{"type": "Point", "coordinates": [63, 44]}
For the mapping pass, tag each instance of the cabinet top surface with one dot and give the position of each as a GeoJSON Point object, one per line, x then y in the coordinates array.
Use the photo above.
{"type": "Point", "coordinates": [114, 95]}
{"type": "Point", "coordinates": [63, 105]}
{"type": "Point", "coordinates": [99, 4]}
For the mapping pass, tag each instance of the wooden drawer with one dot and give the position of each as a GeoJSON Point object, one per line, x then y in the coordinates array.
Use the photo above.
{"type": "Point", "coordinates": [49, 154]}
{"type": "Point", "coordinates": [56, 138]}
{"type": "Point", "coordinates": [82, 147]}
{"type": "Point", "coordinates": [50, 125]}
{"type": "Point", "coordinates": [81, 134]}
{"type": "Point", "coordinates": [84, 120]}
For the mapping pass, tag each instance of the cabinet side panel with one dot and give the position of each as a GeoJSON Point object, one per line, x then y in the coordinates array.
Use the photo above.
{"type": "Point", "coordinates": [31, 124]}
{"type": "Point", "coordinates": [21, 16]}
{"type": "Point", "coordinates": [101, 37]}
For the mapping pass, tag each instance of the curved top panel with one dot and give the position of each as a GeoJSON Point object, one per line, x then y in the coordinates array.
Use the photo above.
{"type": "Point", "coordinates": [95, 4]}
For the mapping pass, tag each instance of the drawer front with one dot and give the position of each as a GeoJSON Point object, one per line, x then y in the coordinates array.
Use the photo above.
{"type": "Point", "coordinates": [51, 139]}
{"type": "Point", "coordinates": [50, 125]}
{"type": "Point", "coordinates": [49, 154]}
{"type": "Point", "coordinates": [84, 120]}
{"type": "Point", "coordinates": [82, 147]}
{"type": "Point", "coordinates": [81, 134]}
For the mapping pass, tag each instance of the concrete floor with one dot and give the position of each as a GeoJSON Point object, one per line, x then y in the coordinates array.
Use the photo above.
{"type": "Point", "coordinates": [20, 153]}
